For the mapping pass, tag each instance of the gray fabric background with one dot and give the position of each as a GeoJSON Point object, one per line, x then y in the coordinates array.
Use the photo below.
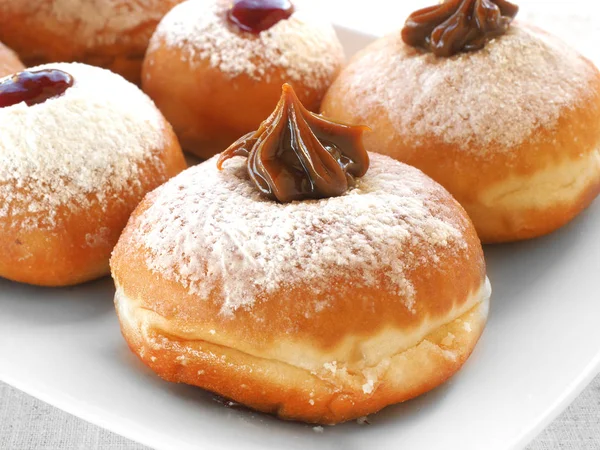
{"type": "Point", "coordinates": [28, 424]}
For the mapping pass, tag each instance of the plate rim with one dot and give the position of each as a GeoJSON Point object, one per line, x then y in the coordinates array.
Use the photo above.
{"type": "Point", "coordinates": [570, 394]}
{"type": "Point", "coordinates": [155, 440]}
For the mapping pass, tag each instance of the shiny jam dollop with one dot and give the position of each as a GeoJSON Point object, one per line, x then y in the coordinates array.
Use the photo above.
{"type": "Point", "coordinates": [458, 25]}
{"type": "Point", "coordinates": [296, 154]}
{"type": "Point", "coordinates": [34, 87]}
{"type": "Point", "coordinates": [259, 15]}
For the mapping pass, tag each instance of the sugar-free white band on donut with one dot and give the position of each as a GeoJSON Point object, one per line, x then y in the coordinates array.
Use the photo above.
{"type": "Point", "coordinates": [559, 185]}
{"type": "Point", "coordinates": [376, 348]}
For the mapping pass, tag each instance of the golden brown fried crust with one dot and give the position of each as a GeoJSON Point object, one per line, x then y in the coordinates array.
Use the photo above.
{"type": "Point", "coordinates": [75, 251]}
{"type": "Point", "coordinates": [208, 109]}
{"type": "Point", "coordinates": [40, 39]}
{"type": "Point", "coordinates": [9, 62]}
{"type": "Point", "coordinates": [277, 358]}
{"type": "Point", "coordinates": [541, 184]}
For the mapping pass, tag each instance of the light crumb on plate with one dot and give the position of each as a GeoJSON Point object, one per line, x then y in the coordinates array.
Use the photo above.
{"type": "Point", "coordinates": [318, 429]}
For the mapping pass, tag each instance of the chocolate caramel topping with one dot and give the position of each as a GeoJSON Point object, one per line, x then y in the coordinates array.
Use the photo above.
{"type": "Point", "coordinates": [296, 154]}
{"type": "Point", "coordinates": [458, 25]}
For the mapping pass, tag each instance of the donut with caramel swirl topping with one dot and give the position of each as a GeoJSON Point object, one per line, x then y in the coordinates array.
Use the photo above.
{"type": "Point", "coordinates": [499, 112]}
{"type": "Point", "coordinates": [312, 302]}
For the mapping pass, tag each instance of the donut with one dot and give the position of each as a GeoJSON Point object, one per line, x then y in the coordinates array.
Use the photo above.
{"type": "Point", "coordinates": [79, 148]}
{"type": "Point", "coordinates": [511, 128]}
{"type": "Point", "coordinates": [215, 81]}
{"type": "Point", "coordinates": [9, 61]}
{"type": "Point", "coordinates": [322, 308]}
{"type": "Point", "coordinates": [112, 34]}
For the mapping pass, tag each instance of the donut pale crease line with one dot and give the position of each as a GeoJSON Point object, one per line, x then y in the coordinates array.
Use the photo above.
{"type": "Point", "coordinates": [559, 184]}
{"type": "Point", "coordinates": [373, 349]}
{"type": "Point", "coordinates": [331, 396]}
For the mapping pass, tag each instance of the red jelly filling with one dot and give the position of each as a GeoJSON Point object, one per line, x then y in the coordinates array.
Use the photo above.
{"type": "Point", "coordinates": [259, 15]}
{"type": "Point", "coordinates": [34, 87]}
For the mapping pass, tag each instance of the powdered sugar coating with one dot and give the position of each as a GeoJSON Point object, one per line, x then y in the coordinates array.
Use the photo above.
{"type": "Point", "coordinates": [206, 228]}
{"type": "Point", "coordinates": [305, 46]}
{"type": "Point", "coordinates": [72, 149]}
{"type": "Point", "coordinates": [98, 22]}
{"type": "Point", "coordinates": [488, 100]}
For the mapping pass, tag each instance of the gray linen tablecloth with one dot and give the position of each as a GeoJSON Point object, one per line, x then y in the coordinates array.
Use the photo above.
{"type": "Point", "coordinates": [28, 424]}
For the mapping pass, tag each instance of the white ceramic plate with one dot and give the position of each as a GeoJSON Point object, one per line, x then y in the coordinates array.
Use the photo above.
{"type": "Point", "coordinates": [540, 349]}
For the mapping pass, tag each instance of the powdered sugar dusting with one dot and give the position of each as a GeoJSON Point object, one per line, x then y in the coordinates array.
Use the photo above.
{"type": "Point", "coordinates": [69, 150]}
{"type": "Point", "coordinates": [488, 100]}
{"type": "Point", "coordinates": [304, 46]}
{"type": "Point", "coordinates": [98, 22]}
{"type": "Point", "coordinates": [207, 228]}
